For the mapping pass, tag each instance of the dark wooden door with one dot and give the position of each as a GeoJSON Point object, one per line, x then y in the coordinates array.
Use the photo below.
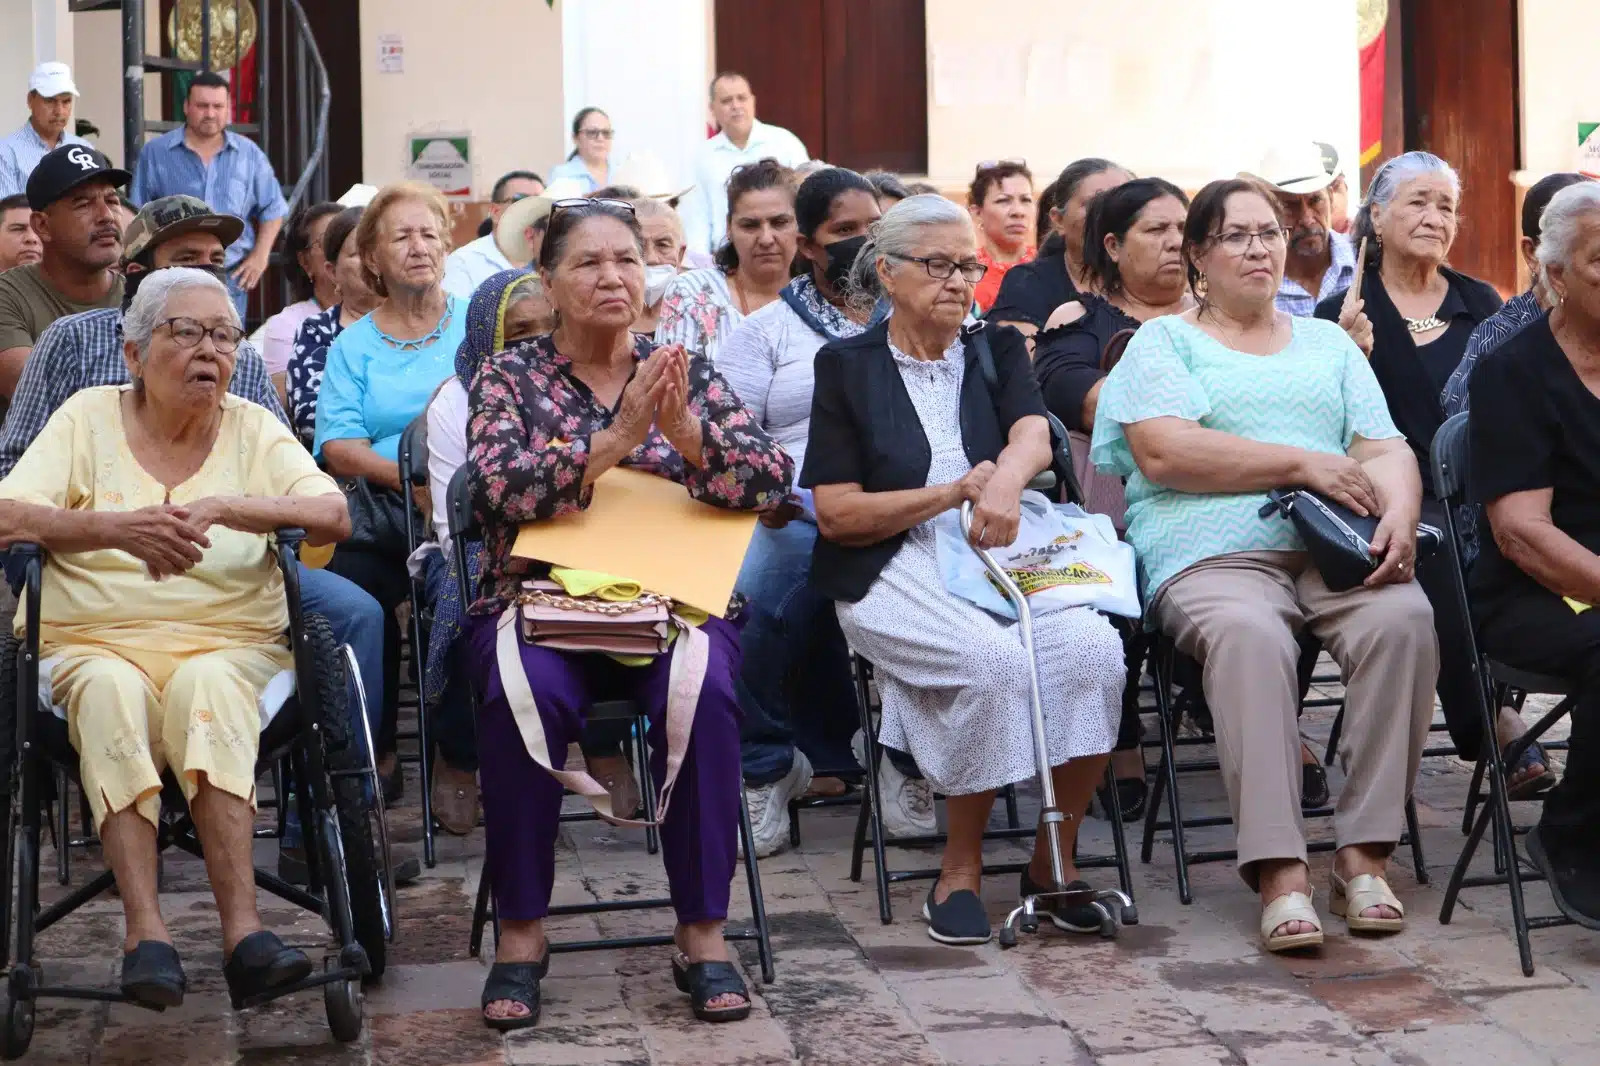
{"type": "Point", "coordinates": [1461, 105]}
{"type": "Point", "coordinates": [849, 78]}
{"type": "Point", "coordinates": [336, 25]}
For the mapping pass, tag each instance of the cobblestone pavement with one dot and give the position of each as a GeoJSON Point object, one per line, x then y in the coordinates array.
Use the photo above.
{"type": "Point", "coordinates": [1188, 986]}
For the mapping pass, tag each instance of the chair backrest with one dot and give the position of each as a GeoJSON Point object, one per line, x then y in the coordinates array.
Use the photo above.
{"type": "Point", "coordinates": [1449, 457]}
{"type": "Point", "coordinates": [414, 451]}
{"type": "Point", "coordinates": [458, 507]}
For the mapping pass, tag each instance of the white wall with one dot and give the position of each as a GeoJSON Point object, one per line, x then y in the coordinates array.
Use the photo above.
{"type": "Point", "coordinates": [1188, 91]}
{"type": "Point", "coordinates": [1560, 80]}
{"type": "Point", "coordinates": [491, 67]}
{"type": "Point", "coordinates": [31, 32]}
{"type": "Point", "coordinates": [97, 70]}
{"type": "Point", "coordinates": [644, 63]}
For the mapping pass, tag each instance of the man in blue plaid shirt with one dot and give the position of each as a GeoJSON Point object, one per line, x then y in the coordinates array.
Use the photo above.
{"type": "Point", "coordinates": [206, 160]}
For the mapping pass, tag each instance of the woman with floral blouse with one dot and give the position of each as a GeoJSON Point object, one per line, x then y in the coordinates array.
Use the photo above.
{"type": "Point", "coordinates": [548, 418]}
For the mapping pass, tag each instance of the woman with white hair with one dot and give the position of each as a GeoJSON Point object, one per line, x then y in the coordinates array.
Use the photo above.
{"type": "Point", "coordinates": [163, 608]}
{"type": "Point", "coordinates": [1535, 434]}
{"type": "Point", "coordinates": [904, 428]}
{"type": "Point", "coordinates": [1422, 314]}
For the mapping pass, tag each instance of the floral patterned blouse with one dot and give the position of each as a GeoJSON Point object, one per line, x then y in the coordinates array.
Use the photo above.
{"type": "Point", "coordinates": [528, 448]}
{"type": "Point", "coordinates": [306, 363]}
{"type": "Point", "coordinates": [698, 312]}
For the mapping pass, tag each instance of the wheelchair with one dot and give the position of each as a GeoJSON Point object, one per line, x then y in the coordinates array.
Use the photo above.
{"type": "Point", "coordinates": [305, 727]}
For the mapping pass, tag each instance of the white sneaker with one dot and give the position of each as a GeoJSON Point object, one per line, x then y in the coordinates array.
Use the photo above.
{"type": "Point", "coordinates": [769, 807]}
{"type": "Point", "coordinates": [907, 802]}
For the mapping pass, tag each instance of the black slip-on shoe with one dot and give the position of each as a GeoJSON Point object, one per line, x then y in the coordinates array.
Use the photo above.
{"type": "Point", "coordinates": [960, 919]}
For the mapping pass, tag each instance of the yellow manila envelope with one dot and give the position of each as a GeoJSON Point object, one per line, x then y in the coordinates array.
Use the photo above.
{"type": "Point", "coordinates": [650, 530]}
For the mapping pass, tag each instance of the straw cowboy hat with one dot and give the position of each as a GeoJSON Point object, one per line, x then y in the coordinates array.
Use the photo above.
{"type": "Point", "coordinates": [1296, 168]}
{"type": "Point", "coordinates": [511, 232]}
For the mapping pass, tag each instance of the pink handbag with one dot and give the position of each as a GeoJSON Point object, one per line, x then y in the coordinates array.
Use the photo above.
{"type": "Point", "coordinates": [1101, 494]}
{"type": "Point", "coordinates": [553, 619]}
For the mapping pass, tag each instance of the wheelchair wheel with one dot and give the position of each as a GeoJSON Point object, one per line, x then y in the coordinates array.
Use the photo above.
{"type": "Point", "coordinates": [346, 764]}
{"type": "Point", "coordinates": [344, 1003]}
{"type": "Point", "coordinates": [18, 1028]}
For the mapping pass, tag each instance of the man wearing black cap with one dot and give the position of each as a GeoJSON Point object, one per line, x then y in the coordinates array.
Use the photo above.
{"type": "Point", "coordinates": [73, 193]}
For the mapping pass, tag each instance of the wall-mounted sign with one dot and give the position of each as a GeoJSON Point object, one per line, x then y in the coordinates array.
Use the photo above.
{"type": "Point", "coordinates": [1589, 149]}
{"type": "Point", "coordinates": [391, 53]}
{"type": "Point", "coordinates": [443, 160]}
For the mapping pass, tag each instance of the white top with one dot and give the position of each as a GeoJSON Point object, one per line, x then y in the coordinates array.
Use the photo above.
{"type": "Point", "coordinates": [447, 451]}
{"type": "Point", "coordinates": [768, 360]}
{"type": "Point", "coordinates": [473, 264]}
{"type": "Point", "coordinates": [705, 209]}
{"type": "Point", "coordinates": [278, 334]}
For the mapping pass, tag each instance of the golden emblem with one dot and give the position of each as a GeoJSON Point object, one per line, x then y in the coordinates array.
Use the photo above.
{"type": "Point", "coordinates": [233, 31]}
{"type": "Point", "coordinates": [1371, 16]}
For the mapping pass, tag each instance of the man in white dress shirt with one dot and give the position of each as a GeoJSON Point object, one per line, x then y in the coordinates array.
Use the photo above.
{"type": "Point", "coordinates": [50, 97]}
{"type": "Point", "coordinates": [744, 139]}
{"type": "Point", "coordinates": [479, 260]}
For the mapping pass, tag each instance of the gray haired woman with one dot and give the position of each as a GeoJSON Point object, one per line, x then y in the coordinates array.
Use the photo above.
{"type": "Point", "coordinates": [904, 428]}
{"type": "Point", "coordinates": [1422, 313]}
{"type": "Point", "coordinates": [1536, 464]}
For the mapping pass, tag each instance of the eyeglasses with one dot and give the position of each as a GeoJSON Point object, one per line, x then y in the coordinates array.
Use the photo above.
{"type": "Point", "coordinates": [597, 135]}
{"type": "Point", "coordinates": [996, 164]}
{"type": "Point", "coordinates": [940, 269]}
{"type": "Point", "coordinates": [187, 332]}
{"type": "Point", "coordinates": [589, 203]}
{"type": "Point", "coordinates": [1237, 242]}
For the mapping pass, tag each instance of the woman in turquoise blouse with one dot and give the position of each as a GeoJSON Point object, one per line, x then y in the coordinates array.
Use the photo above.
{"type": "Point", "coordinates": [1206, 412]}
{"type": "Point", "coordinates": [381, 373]}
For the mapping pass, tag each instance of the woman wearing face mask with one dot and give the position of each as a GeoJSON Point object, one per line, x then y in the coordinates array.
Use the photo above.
{"type": "Point", "coordinates": [796, 668]}
{"type": "Point", "coordinates": [1032, 290]}
{"type": "Point", "coordinates": [1003, 210]}
{"type": "Point", "coordinates": [702, 308]}
{"type": "Point", "coordinates": [664, 246]}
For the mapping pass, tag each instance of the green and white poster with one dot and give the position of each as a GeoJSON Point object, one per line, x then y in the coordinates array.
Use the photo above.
{"type": "Point", "coordinates": [1589, 149]}
{"type": "Point", "coordinates": [443, 160]}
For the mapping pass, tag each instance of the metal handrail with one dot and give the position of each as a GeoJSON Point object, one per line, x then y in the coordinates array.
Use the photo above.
{"type": "Point", "coordinates": [319, 146]}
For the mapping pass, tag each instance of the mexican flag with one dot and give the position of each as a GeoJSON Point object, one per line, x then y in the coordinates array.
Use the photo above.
{"type": "Point", "coordinates": [1372, 16]}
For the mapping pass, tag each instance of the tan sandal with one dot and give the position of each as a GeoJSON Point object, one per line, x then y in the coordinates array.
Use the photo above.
{"type": "Point", "coordinates": [1290, 907]}
{"type": "Point", "coordinates": [455, 800]}
{"type": "Point", "coordinates": [1361, 893]}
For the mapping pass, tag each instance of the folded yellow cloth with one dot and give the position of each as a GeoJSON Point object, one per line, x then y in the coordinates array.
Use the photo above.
{"type": "Point", "coordinates": [593, 583]}
{"type": "Point", "coordinates": [1577, 608]}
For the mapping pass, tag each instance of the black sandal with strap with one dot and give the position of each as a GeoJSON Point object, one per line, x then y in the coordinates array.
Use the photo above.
{"type": "Point", "coordinates": [704, 982]}
{"type": "Point", "coordinates": [516, 982]}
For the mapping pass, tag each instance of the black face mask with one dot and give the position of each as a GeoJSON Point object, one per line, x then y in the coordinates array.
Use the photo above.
{"type": "Point", "coordinates": [134, 278]}
{"type": "Point", "coordinates": [841, 257]}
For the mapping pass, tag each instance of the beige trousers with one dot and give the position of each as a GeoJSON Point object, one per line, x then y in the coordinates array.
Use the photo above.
{"type": "Point", "coordinates": [1238, 615]}
{"type": "Point", "coordinates": [133, 714]}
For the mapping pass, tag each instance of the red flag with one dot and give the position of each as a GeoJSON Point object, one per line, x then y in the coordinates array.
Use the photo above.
{"type": "Point", "coordinates": [1372, 98]}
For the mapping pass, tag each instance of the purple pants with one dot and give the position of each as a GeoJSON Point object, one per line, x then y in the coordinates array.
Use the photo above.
{"type": "Point", "coordinates": [522, 803]}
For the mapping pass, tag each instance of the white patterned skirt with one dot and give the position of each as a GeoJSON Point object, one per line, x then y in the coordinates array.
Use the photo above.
{"type": "Point", "coordinates": [954, 678]}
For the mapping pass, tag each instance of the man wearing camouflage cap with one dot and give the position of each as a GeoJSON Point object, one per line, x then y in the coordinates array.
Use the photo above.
{"type": "Point", "coordinates": [85, 350]}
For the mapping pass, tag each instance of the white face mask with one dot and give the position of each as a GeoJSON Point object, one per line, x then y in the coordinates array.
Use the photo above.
{"type": "Point", "coordinates": [656, 280]}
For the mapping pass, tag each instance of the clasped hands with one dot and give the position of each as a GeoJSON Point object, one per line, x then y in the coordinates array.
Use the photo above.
{"type": "Point", "coordinates": [658, 395]}
{"type": "Point", "coordinates": [170, 539]}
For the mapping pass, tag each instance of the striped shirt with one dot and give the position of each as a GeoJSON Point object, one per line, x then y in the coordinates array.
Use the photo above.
{"type": "Point", "coordinates": [21, 152]}
{"type": "Point", "coordinates": [84, 350]}
{"type": "Point", "coordinates": [238, 181]}
{"type": "Point", "coordinates": [1489, 335]}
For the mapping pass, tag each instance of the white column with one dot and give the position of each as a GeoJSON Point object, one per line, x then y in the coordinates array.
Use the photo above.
{"type": "Point", "coordinates": [644, 63]}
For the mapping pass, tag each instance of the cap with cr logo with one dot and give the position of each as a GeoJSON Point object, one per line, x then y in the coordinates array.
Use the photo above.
{"type": "Point", "coordinates": [68, 167]}
{"type": "Point", "coordinates": [169, 216]}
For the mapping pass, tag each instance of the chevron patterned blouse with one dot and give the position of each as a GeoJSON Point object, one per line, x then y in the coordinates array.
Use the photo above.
{"type": "Point", "coordinates": [1317, 393]}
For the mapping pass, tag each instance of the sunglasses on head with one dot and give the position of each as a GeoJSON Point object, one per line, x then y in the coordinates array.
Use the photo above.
{"type": "Point", "coordinates": [996, 164]}
{"type": "Point", "coordinates": [586, 203]}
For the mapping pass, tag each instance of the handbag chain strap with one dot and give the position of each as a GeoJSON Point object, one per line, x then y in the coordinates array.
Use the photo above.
{"type": "Point", "coordinates": [589, 604]}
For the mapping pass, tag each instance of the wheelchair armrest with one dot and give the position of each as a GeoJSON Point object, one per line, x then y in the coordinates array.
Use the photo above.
{"type": "Point", "coordinates": [1043, 481]}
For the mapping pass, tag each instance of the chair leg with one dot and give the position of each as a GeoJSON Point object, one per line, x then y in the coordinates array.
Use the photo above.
{"type": "Point", "coordinates": [1119, 840]}
{"type": "Point", "coordinates": [758, 903]}
{"type": "Point", "coordinates": [1169, 760]}
{"type": "Point", "coordinates": [1473, 795]}
{"type": "Point", "coordinates": [858, 840]}
{"type": "Point", "coordinates": [1333, 738]}
{"type": "Point", "coordinates": [647, 784]}
{"type": "Point", "coordinates": [1152, 810]}
{"type": "Point", "coordinates": [61, 827]}
{"type": "Point", "coordinates": [480, 914]}
{"type": "Point", "coordinates": [1414, 832]}
{"type": "Point", "coordinates": [419, 655]}
{"type": "Point", "coordinates": [1013, 821]}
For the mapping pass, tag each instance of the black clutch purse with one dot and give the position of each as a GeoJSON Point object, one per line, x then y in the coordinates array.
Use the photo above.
{"type": "Point", "coordinates": [1339, 540]}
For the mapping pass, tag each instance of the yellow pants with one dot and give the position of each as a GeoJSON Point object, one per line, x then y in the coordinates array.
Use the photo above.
{"type": "Point", "coordinates": [133, 713]}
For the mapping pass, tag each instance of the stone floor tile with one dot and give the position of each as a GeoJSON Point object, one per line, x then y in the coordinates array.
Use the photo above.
{"type": "Point", "coordinates": [1191, 1055]}
{"type": "Point", "coordinates": [1311, 1053]}
{"type": "Point", "coordinates": [194, 1043]}
{"type": "Point", "coordinates": [1392, 1001]}
{"type": "Point", "coordinates": [1461, 1045]}
{"type": "Point", "coordinates": [1478, 963]}
{"type": "Point", "coordinates": [577, 1045]}
{"type": "Point", "coordinates": [441, 986]}
{"type": "Point", "coordinates": [1550, 1018]}
{"type": "Point", "coordinates": [1038, 1045]}
{"type": "Point", "coordinates": [434, 1038]}
{"type": "Point", "coordinates": [996, 1004]}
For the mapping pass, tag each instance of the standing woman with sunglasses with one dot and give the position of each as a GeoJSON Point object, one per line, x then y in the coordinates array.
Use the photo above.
{"type": "Point", "coordinates": [548, 418]}
{"type": "Point", "coordinates": [1003, 208]}
{"type": "Point", "coordinates": [1422, 313]}
{"type": "Point", "coordinates": [798, 699]}
{"type": "Point", "coordinates": [589, 164]}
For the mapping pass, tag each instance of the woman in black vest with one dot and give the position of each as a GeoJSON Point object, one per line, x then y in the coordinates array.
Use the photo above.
{"type": "Point", "coordinates": [1422, 313]}
{"type": "Point", "coordinates": [903, 429]}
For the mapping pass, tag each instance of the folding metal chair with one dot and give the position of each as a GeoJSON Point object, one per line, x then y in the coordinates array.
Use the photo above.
{"type": "Point", "coordinates": [413, 461]}
{"type": "Point", "coordinates": [464, 530]}
{"type": "Point", "coordinates": [1451, 457]}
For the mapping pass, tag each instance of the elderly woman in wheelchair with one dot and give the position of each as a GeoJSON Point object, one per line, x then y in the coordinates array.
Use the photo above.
{"type": "Point", "coordinates": [162, 613]}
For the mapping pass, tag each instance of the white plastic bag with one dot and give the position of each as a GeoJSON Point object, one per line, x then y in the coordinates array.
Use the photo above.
{"type": "Point", "coordinates": [1062, 557]}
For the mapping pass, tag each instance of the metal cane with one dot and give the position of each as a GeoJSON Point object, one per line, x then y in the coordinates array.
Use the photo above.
{"type": "Point", "coordinates": [1111, 903]}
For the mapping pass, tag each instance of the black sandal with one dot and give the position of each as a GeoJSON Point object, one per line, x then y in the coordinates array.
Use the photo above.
{"type": "Point", "coordinates": [1533, 755]}
{"type": "Point", "coordinates": [261, 963]}
{"type": "Point", "coordinates": [152, 975]}
{"type": "Point", "coordinates": [704, 982]}
{"type": "Point", "coordinates": [517, 982]}
{"type": "Point", "coordinates": [1314, 793]}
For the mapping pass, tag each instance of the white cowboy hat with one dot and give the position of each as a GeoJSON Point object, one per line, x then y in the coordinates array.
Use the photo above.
{"type": "Point", "coordinates": [645, 173]}
{"type": "Point", "coordinates": [1295, 168]}
{"type": "Point", "coordinates": [357, 195]}
{"type": "Point", "coordinates": [511, 232]}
